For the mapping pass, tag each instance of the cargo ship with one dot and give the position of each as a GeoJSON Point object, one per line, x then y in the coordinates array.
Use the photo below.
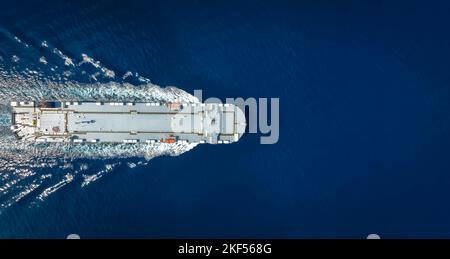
{"type": "Point", "coordinates": [127, 122]}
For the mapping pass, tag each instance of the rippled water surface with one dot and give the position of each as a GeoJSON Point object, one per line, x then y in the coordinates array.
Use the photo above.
{"type": "Point", "coordinates": [364, 92]}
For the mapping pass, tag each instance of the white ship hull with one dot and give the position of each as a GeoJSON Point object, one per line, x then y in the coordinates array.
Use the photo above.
{"type": "Point", "coordinates": [117, 122]}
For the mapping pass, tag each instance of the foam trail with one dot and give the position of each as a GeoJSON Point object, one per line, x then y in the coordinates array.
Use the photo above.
{"type": "Point", "coordinates": [36, 170]}
{"type": "Point", "coordinates": [5, 119]}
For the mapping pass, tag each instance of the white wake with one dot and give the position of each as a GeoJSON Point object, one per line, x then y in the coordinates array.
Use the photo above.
{"type": "Point", "coordinates": [34, 171]}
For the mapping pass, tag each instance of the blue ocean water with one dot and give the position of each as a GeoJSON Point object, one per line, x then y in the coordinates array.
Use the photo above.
{"type": "Point", "coordinates": [364, 91]}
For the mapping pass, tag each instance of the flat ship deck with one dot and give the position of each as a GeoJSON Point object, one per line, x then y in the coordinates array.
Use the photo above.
{"type": "Point", "coordinates": [132, 122]}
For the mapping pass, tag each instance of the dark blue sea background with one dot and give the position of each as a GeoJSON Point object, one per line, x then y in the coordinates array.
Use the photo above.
{"type": "Point", "coordinates": [364, 145]}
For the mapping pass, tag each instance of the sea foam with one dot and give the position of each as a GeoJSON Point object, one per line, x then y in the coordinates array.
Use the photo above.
{"type": "Point", "coordinates": [37, 170]}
